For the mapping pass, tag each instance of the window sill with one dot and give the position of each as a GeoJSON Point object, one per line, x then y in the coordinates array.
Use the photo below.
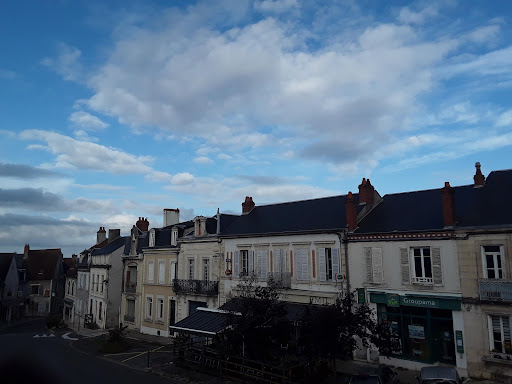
{"type": "Point", "coordinates": [159, 322]}
{"type": "Point", "coordinates": [148, 320]}
{"type": "Point", "coordinates": [496, 360]}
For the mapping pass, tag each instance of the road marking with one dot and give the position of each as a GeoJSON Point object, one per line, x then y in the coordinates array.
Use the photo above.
{"type": "Point", "coordinates": [66, 336]}
{"type": "Point", "coordinates": [37, 336]}
{"type": "Point", "coordinates": [143, 353]}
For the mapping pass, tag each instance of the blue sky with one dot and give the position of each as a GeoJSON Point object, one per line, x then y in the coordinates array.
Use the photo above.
{"type": "Point", "coordinates": [114, 110]}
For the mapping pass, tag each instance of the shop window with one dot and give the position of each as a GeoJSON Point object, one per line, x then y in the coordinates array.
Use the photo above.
{"type": "Point", "coordinates": [492, 256]}
{"type": "Point", "coordinates": [500, 334]}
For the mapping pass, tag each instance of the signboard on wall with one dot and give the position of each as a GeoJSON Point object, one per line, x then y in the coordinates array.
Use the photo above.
{"type": "Point", "coordinates": [396, 300]}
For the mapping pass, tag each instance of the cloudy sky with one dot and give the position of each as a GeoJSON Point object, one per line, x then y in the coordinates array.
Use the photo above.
{"type": "Point", "coordinates": [114, 110]}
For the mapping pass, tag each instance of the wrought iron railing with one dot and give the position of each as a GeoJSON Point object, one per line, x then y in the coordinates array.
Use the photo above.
{"type": "Point", "coordinates": [197, 287]}
{"type": "Point", "coordinates": [280, 279]}
{"type": "Point", "coordinates": [129, 318]}
{"type": "Point", "coordinates": [130, 287]}
{"type": "Point", "coordinates": [496, 290]}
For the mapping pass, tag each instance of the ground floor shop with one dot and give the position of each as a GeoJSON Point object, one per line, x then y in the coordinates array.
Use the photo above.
{"type": "Point", "coordinates": [428, 328]}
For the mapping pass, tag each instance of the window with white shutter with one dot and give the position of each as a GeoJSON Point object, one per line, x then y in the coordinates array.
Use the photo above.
{"type": "Point", "coordinates": [493, 260]}
{"type": "Point", "coordinates": [262, 256]}
{"type": "Point", "coordinates": [302, 264]}
{"type": "Point", "coordinates": [404, 266]}
{"type": "Point", "coordinates": [499, 333]}
{"type": "Point", "coordinates": [377, 267]}
{"type": "Point", "coordinates": [236, 268]}
{"type": "Point", "coordinates": [161, 272]}
{"type": "Point", "coordinates": [251, 262]}
{"type": "Point", "coordinates": [322, 270]}
{"type": "Point", "coordinates": [151, 272]}
{"type": "Point", "coordinates": [328, 263]}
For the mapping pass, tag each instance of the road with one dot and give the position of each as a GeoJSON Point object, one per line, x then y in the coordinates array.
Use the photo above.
{"type": "Point", "coordinates": [29, 355]}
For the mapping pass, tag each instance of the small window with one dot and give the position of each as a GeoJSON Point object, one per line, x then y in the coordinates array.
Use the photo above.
{"type": "Point", "coordinates": [422, 265]}
{"type": "Point", "coordinates": [161, 272]}
{"type": "Point", "coordinates": [149, 308]}
{"type": "Point", "coordinates": [500, 334]}
{"type": "Point", "coordinates": [493, 261]}
{"type": "Point", "coordinates": [151, 272]}
{"type": "Point", "coordinates": [34, 289]}
{"type": "Point", "coordinates": [174, 236]}
{"type": "Point", "coordinates": [160, 309]}
{"type": "Point", "coordinates": [244, 257]}
{"type": "Point", "coordinates": [191, 269]}
{"type": "Point", "coordinates": [152, 238]}
{"type": "Point", "coordinates": [206, 269]}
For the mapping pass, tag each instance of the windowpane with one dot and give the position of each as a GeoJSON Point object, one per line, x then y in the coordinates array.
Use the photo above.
{"type": "Point", "coordinates": [490, 274]}
{"type": "Point", "coordinates": [426, 251]}
{"type": "Point", "coordinates": [428, 266]}
{"type": "Point", "coordinates": [417, 252]}
{"type": "Point", "coordinates": [492, 248]}
{"type": "Point", "coordinates": [490, 260]}
{"type": "Point", "coordinates": [417, 267]}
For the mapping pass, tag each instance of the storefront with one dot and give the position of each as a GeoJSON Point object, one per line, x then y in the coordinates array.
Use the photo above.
{"type": "Point", "coordinates": [423, 325]}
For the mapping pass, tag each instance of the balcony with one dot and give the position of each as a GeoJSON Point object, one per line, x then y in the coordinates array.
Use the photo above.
{"type": "Point", "coordinates": [130, 287]}
{"type": "Point", "coordinates": [499, 290]}
{"type": "Point", "coordinates": [196, 287]}
{"type": "Point", "coordinates": [280, 280]}
{"type": "Point", "coordinates": [129, 318]}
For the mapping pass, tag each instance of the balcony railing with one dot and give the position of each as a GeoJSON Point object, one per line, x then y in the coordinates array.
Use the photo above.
{"type": "Point", "coordinates": [280, 279]}
{"type": "Point", "coordinates": [196, 287]}
{"type": "Point", "coordinates": [129, 318]}
{"type": "Point", "coordinates": [130, 287]}
{"type": "Point", "coordinates": [496, 290]}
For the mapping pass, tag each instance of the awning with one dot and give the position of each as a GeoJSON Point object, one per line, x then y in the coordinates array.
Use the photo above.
{"type": "Point", "coordinates": [68, 302]}
{"type": "Point", "coordinates": [204, 322]}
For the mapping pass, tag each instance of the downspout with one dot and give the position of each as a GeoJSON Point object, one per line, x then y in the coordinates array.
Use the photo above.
{"type": "Point", "coordinates": [344, 240]}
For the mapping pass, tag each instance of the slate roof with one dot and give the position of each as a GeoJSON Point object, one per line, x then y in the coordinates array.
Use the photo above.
{"type": "Point", "coordinates": [69, 267]}
{"type": "Point", "coordinates": [323, 214]}
{"type": "Point", "coordinates": [202, 322]}
{"type": "Point", "coordinates": [487, 206]}
{"type": "Point", "coordinates": [5, 263]}
{"type": "Point", "coordinates": [111, 247]}
{"type": "Point", "coordinates": [41, 263]}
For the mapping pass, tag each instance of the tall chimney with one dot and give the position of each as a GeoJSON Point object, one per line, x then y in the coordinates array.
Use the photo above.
{"type": "Point", "coordinates": [101, 235]}
{"type": "Point", "coordinates": [366, 192]}
{"type": "Point", "coordinates": [26, 250]}
{"type": "Point", "coordinates": [247, 205]}
{"type": "Point", "coordinates": [479, 177]}
{"type": "Point", "coordinates": [74, 257]}
{"type": "Point", "coordinates": [113, 234]}
{"type": "Point", "coordinates": [448, 198]}
{"type": "Point", "coordinates": [171, 216]}
{"type": "Point", "coordinates": [218, 221]}
{"type": "Point", "coordinates": [143, 224]}
{"type": "Point", "coordinates": [351, 212]}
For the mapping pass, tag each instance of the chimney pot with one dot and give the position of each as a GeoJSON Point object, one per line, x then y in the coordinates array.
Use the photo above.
{"type": "Point", "coordinates": [248, 205]}
{"type": "Point", "coordinates": [351, 212]}
{"type": "Point", "coordinates": [479, 178]}
{"type": "Point", "coordinates": [448, 199]}
{"type": "Point", "coordinates": [142, 224]}
{"type": "Point", "coordinates": [366, 192]}
{"type": "Point", "coordinates": [101, 235]}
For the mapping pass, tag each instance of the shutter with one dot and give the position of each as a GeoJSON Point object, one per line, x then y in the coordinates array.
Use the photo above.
{"type": "Point", "coordinates": [161, 272]}
{"type": "Point", "coordinates": [127, 276]}
{"type": "Point", "coordinates": [368, 259]}
{"type": "Point", "coordinates": [259, 258]}
{"type": "Point", "coordinates": [321, 264]}
{"type": "Point", "coordinates": [335, 253]}
{"type": "Point", "coordinates": [302, 264]}
{"type": "Point", "coordinates": [278, 255]}
{"type": "Point", "coordinates": [151, 272]}
{"type": "Point", "coordinates": [404, 263]}
{"type": "Point", "coordinates": [437, 271]}
{"type": "Point", "coordinates": [282, 260]}
{"type": "Point", "coordinates": [173, 272]}
{"type": "Point", "coordinates": [251, 263]}
{"type": "Point", "coordinates": [378, 274]}
{"type": "Point", "coordinates": [264, 264]}
{"type": "Point", "coordinates": [506, 328]}
{"type": "Point", "coordinates": [236, 271]}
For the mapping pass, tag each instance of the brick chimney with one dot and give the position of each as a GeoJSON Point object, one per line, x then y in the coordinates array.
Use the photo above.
{"type": "Point", "coordinates": [479, 177]}
{"type": "Point", "coordinates": [247, 205]}
{"type": "Point", "coordinates": [366, 192]}
{"type": "Point", "coordinates": [26, 250]}
{"type": "Point", "coordinates": [101, 235]}
{"type": "Point", "coordinates": [74, 257]}
{"type": "Point", "coordinates": [448, 198]}
{"type": "Point", "coordinates": [351, 212]}
{"type": "Point", "coordinates": [143, 224]}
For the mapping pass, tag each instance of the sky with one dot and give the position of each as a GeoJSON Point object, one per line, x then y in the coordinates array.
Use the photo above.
{"type": "Point", "coordinates": [110, 111]}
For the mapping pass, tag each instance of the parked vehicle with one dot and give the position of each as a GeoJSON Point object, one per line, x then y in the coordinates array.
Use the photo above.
{"type": "Point", "coordinates": [438, 375]}
{"type": "Point", "coordinates": [378, 375]}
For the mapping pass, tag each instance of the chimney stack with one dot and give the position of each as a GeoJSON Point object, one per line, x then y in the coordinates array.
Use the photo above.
{"type": "Point", "coordinates": [113, 234]}
{"type": "Point", "coordinates": [143, 224]}
{"type": "Point", "coordinates": [74, 257]}
{"type": "Point", "coordinates": [448, 198]}
{"type": "Point", "coordinates": [351, 212]}
{"type": "Point", "coordinates": [366, 192]}
{"type": "Point", "coordinates": [247, 205]}
{"type": "Point", "coordinates": [479, 177]}
{"type": "Point", "coordinates": [26, 250]}
{"type": "Point", "coordinates": [101, 235]}
{"type": "Point", "coordinates": [171, 216]}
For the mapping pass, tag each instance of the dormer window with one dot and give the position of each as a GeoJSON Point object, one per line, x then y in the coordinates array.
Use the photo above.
{"type": "Point", "coordinates": [174, 236]}
{"type": "Point", "coordinates": [152, 238]}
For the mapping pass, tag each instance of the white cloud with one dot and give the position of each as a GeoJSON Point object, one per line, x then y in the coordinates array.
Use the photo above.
{"type": "Point", "coordinates": [182, 179]}
{"type": "Point", "coordinates": [505, 119]}
{"type": "Point", "coordinates": [408, 16]}
{"type": "Point", "coordinates": [67, 63]}
{"type": "Point", "coordinates": [275, 6]}
{"type": "Point", "coordinates": [203, 160]}
{"type": "Point", "coordinates": [87, 121]}
{"type": "Point", "coordinates": [224, 156]}
{"type": "Point", "coordinates": [485, 34]}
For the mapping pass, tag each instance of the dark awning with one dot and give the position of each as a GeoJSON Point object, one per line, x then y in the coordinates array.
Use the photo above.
{"type": "Point", "coordinates": [68, 301]}
{"type": "Point", "coordinates": [204, 322]}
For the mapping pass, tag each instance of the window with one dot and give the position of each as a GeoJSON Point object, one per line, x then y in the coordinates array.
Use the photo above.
{"type": "Point", "coordinates": [374, 265]}
{"type": "Point", "coordinates": [301, 257]}
{"type": "Point", "coordinates": [173, 269]}
{"type": "Point", "coordinates": [97, 277]}
{"type": "Point", "coordinates": [172, 312]}
{"type": "Point", "coordinates": [130, 308]}
{"type": "Point", "coordinates": [161, 272]}
{"type": "Point", "coordinates": [151, 272]}
{"type": "Point", "coordinates": [132, 275]}
{"type": "Point", "coordinates": [262, 256]}
{"type": "Point", "coordinates": [191, 269]}
{"type": "Point", "coordinates": [86, 282]}
{"type": "Point", "coordinates": [493, 261]}
{"type": "Point", "coordinates": [206, 269]}
{"type": "Point", "coordinates": [152, 238]}
{"type": "Point", "coordinates": [160, 309]}
{"type": "Point", "coordinates": [174, 236]}
{"type": "Point", "coordinates": [102, 282]}
{"type": "Point", "coordinates": [328, 263]}
{"type": "Point", "coordinates": [72, 288]}
{"type": "Point", "coordinates": [244, 256]}
{"type": "Point", "coordinates": [69, 287]}
{"type": "Point", "coordinates": [149, 307]}
{"type": "Point", "coordinates": [34, 289]}
{"type": "Point", "coordinates": [499, 331]}
{"type": "Point", "coordinates": [422, 265]}
{"type": "Point", "coordinates": [280, 260]}
{"type": "Point", "coordinates": [100, 311]}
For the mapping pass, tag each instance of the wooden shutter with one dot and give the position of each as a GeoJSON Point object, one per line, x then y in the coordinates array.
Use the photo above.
{"type": "Point", "coordinates": [236, 271]}
{"type": "Point", "coordinates": [335, 253]}
{"type": "Point", "coordinates": [378, 274]}
{"type": "Point", "coordinates": [261, 256]}
{"type": "Point", "coordinates": [404, 264]}
{"type": "Point", "coordinates": [277, 260]}
{"type": "Point", "coordinates": [321, 264]}
{"type": "Point", "coordinates": [368, 261]}
{"type": "Point", "coordinates": [251, 262]}
{"type": "Point", "coordinates": [437, 270]}
{"type": "Point", "coordinates": [151, 272]}
{"type": "Point", "coordinates": [302, 264]}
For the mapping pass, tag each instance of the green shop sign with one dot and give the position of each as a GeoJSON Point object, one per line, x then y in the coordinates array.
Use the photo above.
{"type": "Point", "coordinates": [396, 300]}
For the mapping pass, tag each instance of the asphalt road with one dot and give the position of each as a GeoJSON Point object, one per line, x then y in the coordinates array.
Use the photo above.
{"type": "Point", "coordinates": [28, 354]}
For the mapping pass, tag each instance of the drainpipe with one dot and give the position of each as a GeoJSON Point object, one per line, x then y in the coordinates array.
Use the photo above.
{"type": "Point", "coordinates": [344, 240]}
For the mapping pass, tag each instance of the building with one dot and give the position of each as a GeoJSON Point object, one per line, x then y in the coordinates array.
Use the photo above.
{"type": "Point", "coordinates": [106, 275]}
{"type": "Point", "coordinates": [70, 268]}
{"type": "Point", "coordinates": [10, 297]}
{"type": "Point", "coordinates": [45, 279]}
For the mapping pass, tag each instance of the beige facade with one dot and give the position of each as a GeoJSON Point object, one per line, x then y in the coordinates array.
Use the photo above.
{"type": "Point", "coordinates": [157, 295]}
{"type": "Point", "coordinates": [486, 282]}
